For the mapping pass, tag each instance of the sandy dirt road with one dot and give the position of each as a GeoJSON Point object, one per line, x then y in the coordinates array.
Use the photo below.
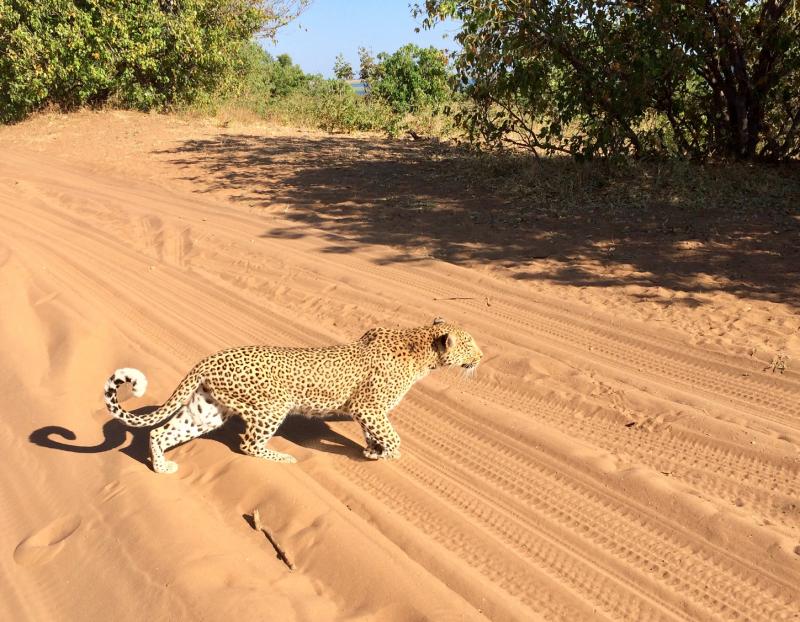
{"type": "Point", "coordinates": [599, 466]}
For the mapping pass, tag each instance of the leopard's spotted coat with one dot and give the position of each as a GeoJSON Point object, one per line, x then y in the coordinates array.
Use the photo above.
{"type": "Point", "coordinates": [365, 379]}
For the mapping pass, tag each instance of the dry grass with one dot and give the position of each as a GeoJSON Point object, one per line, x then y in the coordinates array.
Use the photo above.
{"type": "Point", "coordinates": [559, 185]}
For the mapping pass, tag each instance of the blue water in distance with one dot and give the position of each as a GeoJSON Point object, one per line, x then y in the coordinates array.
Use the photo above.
{"type": "Point", "coordinates": [359, 86]}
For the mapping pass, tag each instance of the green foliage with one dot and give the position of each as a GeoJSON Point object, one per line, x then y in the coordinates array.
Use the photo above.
{"type": "Point", "coordinates": [278, 90]}
{"type": "Point", "coordinates": [141, 54]}
{"type": "Point", "coordinates": [651, 77]}
{"type": "Point", "coordinates": [254, 83]}
{"type": "Point", "coordinates": [412, 79]}
{"type": "Point", "coordinates": [333, 106]}
{"type": "Point", "coordinates": [270, 78]}
{"type": "Point", "coordinates": [342, 69]}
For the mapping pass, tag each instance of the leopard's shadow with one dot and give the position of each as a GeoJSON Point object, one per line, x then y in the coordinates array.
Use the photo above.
{"type": "Point", "coordinates": [115, 433]}
{"type": "Point", "coordinates": [315, 433]}
{"type": "Point", "coordinates": [311, 433]}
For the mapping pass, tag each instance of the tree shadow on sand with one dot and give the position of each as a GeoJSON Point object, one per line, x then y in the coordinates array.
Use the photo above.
{"type": "Point", "coordinates": [684, 227]}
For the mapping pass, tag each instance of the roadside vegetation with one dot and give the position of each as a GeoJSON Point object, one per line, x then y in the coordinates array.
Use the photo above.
{"type": "Point", "coordinates": [405, 91]}
{"type": "Point", "coordinates": [139, 54]}
{"type": "Point", "coordinates": [201, 56]}
{"type": "Point", "coordinates": [649, 79]}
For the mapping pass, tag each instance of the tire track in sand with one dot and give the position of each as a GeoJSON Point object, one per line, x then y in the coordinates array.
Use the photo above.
{"type": "Point", "coordinates": [544, 500]}
{"type": "Point", "coordinates": [532, 525]}
{"type": "Point", "coordinates": [720, 472]}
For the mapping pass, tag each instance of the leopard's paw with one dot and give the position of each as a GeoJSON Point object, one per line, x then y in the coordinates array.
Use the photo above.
{"type": "Point", "coordinates": [376, 453]}
{"type": "Point", "coordinates": [167, 466]}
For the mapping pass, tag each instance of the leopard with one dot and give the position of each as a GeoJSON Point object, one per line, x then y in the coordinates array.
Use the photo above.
{"type": "Point", "coordinates": [364, 379]}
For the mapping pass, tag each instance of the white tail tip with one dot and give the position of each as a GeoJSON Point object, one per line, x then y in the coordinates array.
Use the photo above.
{"type": "Point", "coordinates": [135, 377]}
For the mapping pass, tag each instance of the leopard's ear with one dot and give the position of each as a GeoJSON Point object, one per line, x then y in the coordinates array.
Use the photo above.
{"type": "Point", "coordinates": [443, 343]}
{"type": "Point", "coordinates": [438, 320]}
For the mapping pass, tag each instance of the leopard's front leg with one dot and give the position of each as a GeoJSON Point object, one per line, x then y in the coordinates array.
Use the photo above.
{"type": "Point", "coordinates": [370, 405]}
{"type": "Point", "coordinates": [383, 442]}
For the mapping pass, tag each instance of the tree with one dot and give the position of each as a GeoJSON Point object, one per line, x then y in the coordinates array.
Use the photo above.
{"type": "Point", "coordinates": [366, 62]}
{"type": "Point", "coordinates": [694, 79]}
{"type": "Point", "coordinates": [137, 53]}
{"type": "Point", "coordinates": [342, 69]}
{"type": "Point", "coordinates": [412, 78]}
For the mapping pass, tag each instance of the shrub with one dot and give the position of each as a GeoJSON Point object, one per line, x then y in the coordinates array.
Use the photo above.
{"type": "Point", "coordinates": [257, 75]}
{"type": "Point", "coordinates": [278, 90]}
{"type": "Point", "coordinates": [137, 53]}
{"type": "Point", "coordinates": [411, 79]}
{"type": "Point", "coordinates": [333, 106]}
{"type": "Point", "coordinates": [651, 77]}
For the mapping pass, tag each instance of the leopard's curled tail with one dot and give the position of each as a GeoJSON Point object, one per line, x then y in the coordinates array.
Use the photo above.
{"type": "Point", "coordinates": [139, 385]}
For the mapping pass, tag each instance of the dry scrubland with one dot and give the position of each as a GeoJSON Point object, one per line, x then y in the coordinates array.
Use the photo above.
{"type": "Point", "coordinates": [629, 450]}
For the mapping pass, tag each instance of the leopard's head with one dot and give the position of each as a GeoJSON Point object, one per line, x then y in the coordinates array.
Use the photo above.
{"type": "Point", "coordinates": [454, 346]}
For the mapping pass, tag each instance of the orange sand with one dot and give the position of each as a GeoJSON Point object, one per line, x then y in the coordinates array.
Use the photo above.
{"type": "Point", "coordinates": [606, 463]}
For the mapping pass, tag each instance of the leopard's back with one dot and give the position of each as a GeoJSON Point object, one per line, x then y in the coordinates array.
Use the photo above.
{"type": "Point", "coordinates": [303, 378]}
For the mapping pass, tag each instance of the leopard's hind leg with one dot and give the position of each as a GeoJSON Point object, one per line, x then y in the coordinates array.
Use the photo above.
{"type": "Point", "coordinates": [202, 414]}
{"type": "Point", "coordinates": [262, 418]}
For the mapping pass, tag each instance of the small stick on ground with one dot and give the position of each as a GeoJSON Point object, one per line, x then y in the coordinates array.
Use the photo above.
{"type": "Point", "coordinates": [485, 298]}
{"type": "Point", "coordinates": [278, 548]}
{"type": "Point", "coordinates": [778, 363]}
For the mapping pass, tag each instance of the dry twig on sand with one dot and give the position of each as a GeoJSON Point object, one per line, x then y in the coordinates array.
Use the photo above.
{"type": "Point", "coordinates": [278, 548]}
{"type": "Point", "coordinates": [778, 363]}
{"type": "Point", "coordinates": [485, 299]}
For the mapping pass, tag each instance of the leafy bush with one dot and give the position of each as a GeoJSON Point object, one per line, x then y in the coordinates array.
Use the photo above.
{"type": "Point", "coordinates": [136, 53]}
{"type": "Point", "coordinates": [253, 81]}
{"type": "Point", "coordinates": [692, 79]}
{"type": "Point", "coordinates": [258, 78]}
{"type": "Point", "coordinates": [411, 79]}
{"type": "Point", "coordinates": [333, 106]}
{"type": "Point", "coordinates": [276, 89]}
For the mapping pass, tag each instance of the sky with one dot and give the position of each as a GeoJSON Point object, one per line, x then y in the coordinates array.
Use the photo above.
{"type": "Point", "coordinates": [330, 27]}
